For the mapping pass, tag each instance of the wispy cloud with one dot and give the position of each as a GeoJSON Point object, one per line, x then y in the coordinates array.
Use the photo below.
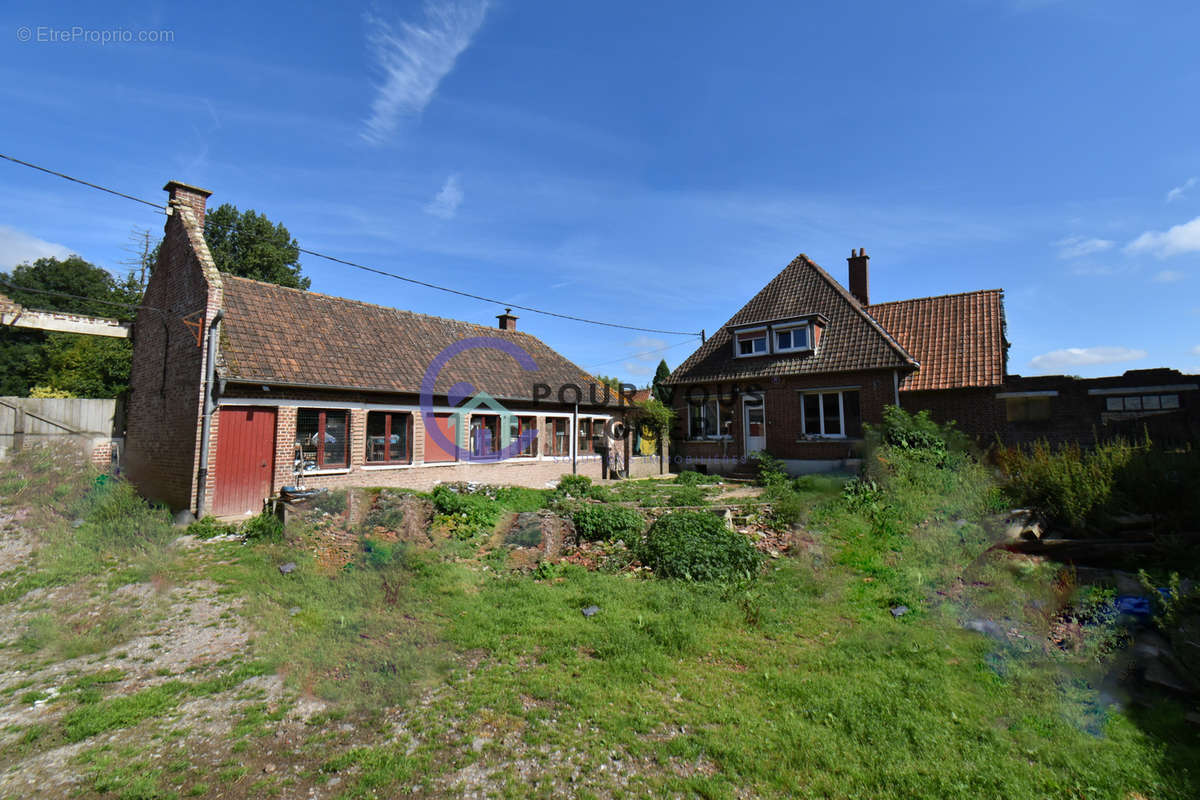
{"type": "Point", "coordinates": [1181, 190]}
{"type": "Point", "coordinates": [415, 57]}
{"type": "Point", "coordinates": [1058, 360]}
{"type": "Point", "coordinates": [1184, 238]}
{"type": "Point", "coordinates": [1078, 246]}
{"type": "Point", "coordinates": [637, 368]}
{"type": "Point", "coordinates": [446, 202]}
{"type": "Point", "coordinates": [1169, 276]}
{"type": "Point", "coordinates": [1196, 350]}
{"type": "Point", "coordinates": [17, 247]}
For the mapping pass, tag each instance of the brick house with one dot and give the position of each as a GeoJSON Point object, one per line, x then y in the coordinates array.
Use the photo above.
{"type": "Point", "coordinates": [806, 362]}
{"type": "Point", "coordinates": [240, 387]}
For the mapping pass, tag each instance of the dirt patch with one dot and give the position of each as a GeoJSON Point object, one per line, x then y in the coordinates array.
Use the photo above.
{"type": "Point", "coordinates": [537, 536]}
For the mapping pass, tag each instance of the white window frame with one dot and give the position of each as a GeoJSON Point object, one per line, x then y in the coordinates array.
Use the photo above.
{"type": "Point", "coordinates": [840, 392]}
{"type": "Point", "coordinates": [792, 329]}
{"type": "Point", "coordinates": [764, 335]}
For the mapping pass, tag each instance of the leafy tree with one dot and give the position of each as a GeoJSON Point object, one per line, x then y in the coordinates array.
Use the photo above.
{"type": "Point", "coordinates": [660, 391]}
{"type": "Point", "coordinates": [66, 363]}
{"type": "Point", "coordinates": [250, 245]}
{"type": "Point", "coordinates": [611, 382]}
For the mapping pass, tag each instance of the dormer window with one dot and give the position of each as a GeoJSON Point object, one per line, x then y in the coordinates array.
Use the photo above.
{"type": "Point", "coordinates": [788, 340]}
{"type": "Point", "coordinates": [751, 343]}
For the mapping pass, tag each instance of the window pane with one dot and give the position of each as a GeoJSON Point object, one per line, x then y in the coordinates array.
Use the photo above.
{"type": "Point", "coordinates": [784, 340]}
{"type": "Point", "coordinates": [696, 423]}
{"type": "Point", "coordinates": [800, 337]}
{"type": "Point", "coordinates": [746, 347]}
{"type": "Point", "coordinates": [1114, 404]}
{"type": "Point", "coordinates": [1039, 409]}
{"type": "Point", "coordinates": [308, 423]}
{"type": "Point", "coordinates": [377, 450]}
{"type": "Point", "coordinates": [1150, 403]}
{"type": "Point", "coordinates": [562, 446]}
{"type": "Point", "coordinates": [760, 344]}
{"type": "Point", "coordinates": [398, 439]}
{"type": "Point", "coordinates": [829, 411]}
{"type": "Point", "coordinates": [526, 427]}
{"type": "Point", "coordinates": [812, 414]}
{"type": "Point", "coordinates": [851, 413]}
{"type": "Point", "coordinates": [1169, 401]}
{"type": "Point", "coordinates": [1133, 404]}
{"type": "Point", "coordinates": [585, 436]}
{"type": "Point", "coordinates": [336, 440]}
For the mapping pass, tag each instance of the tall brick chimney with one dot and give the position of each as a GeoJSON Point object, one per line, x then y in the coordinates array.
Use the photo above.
{"type": "Point", "coordinates": [858, 276]}
{"type": "Point", "coordinates": [193, 197]}
{"type": "Point", "coordinates": [507, 322]}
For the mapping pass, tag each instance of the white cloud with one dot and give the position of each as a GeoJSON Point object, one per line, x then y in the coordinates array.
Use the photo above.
{"type": "Point", "coordinates": [17, 247]}
{"type": "Point", "coordinates": [1183, 238]}
{"type": "Point", "coordinates": [637, 368]}
{"type": "Point", "coordinates": [1169, 276]}
{"type": "Point", "coordinates": [446, 202]}
{"type": "Point", "coordinates": [1196, 350]}
{"type": "Point", "coordinates": [416, 57]}
{"type": "Point", "coordinates": [1077, 246]}
{"type": "Point", "coordinates": [1180, 191]}
{"type": "Point", "coordinates": [1057, 360]}
{"type": "Point", "coordinates": [647, 349]}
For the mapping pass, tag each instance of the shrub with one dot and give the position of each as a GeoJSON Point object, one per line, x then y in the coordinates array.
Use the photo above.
{"type": "Point", "coordinates": [696, 545]}
{"type": "Point", "coordinates": [690, 477]}
{"type": "Point", "coordinates": [595, 521]}
{"type": "Point", "coordinates": [686, 496]}
{"type": "Point", "coordinates": [771, 471]}
{"type": "Point", "coordinates": [574, 486]}
{"type": "Point", "coordinates": [518, 498]}
{"type": "Point", "coordinates": [467, 512]}
{"type": "Point", "coordinates": [209, 527]}
{"type": "Point", "coordinates": [1067, 486]}
{"type": "Point", "coordinates": [263, 528]}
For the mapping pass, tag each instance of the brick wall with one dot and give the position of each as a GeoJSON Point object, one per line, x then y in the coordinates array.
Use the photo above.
{"type": "Point", "coordinates": [165, 409]}
{"type": "Point", "coordinates": [976, 412]}
{"type": "Point", "coordinates": [782, 413]}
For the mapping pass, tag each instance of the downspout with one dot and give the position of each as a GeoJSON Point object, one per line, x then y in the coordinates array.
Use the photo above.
{"type": "Point", "coordinates": [210, 368]}
{"type": "Point", "coordinates": [575, 440]}
{"type": "Point", "coordinates": [896, 386]}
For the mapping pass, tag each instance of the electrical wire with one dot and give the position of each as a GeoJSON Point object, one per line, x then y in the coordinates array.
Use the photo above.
{"type": "Point", "coordinates": [646, 353]}
{"type": "Point", "coordinates": [53, 293]}
{"type": "Point", "coordinates": [375, 270]}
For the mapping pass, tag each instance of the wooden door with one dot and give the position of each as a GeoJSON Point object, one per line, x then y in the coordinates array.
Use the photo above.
{"type": "Point", "coordinates": [245, 459]}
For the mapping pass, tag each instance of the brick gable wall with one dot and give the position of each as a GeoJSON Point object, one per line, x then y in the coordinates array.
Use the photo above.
{"type": "Point", "coordinates": [165, 402]}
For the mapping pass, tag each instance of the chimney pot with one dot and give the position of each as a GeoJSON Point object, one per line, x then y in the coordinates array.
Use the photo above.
{"type": "Point", "coordinates": [859, 278]}
{"type": "Point", "coordinates": [195, 198]}
{"type": "Point", "coordinates": [506, 321]}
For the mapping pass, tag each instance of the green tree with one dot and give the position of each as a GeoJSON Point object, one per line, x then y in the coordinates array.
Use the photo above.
{"type": "Point", "coordinates": [659, 390]}
{"type": "Point", "coordinates": [77, 364]}
{"type": "Point", "coordinates": [250, 245]}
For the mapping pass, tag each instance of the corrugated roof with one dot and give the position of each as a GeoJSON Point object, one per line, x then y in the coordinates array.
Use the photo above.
{"type": "Point", "coordinates": [958, 338]}
{"type": "Point", "coordinates": [276, 335]}
{"type": "Point", "coordinates": [851, 341]}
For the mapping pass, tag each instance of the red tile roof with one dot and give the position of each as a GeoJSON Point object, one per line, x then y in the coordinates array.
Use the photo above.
{"type": "Point", "coordinates": [957, 338]}
{"type": "Point", "coordinates": [852, 340]}
{"type": "Point", "coordinates": [276, 335]}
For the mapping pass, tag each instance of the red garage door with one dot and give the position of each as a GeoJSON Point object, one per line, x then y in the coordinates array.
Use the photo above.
{"type": "Point", "coordinates": [245, 459]}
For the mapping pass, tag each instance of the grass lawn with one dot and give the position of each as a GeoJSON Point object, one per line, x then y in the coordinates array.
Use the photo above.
{"type": "Point", "coordinates": [463, 674]}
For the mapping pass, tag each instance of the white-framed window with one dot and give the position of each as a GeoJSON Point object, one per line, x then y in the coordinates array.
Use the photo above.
{"type": "Point", "coordinates": [791, 339]}
{"type": "Point", "coordinates": [830, 414]}
{"type": "Point", "coordinates": [708, 419]}
{"type": "Point", "coordinates": [750, 343]}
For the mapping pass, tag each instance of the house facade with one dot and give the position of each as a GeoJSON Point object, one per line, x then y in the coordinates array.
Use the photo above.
{"type": "Point", "coordinates": [240, 387]}
{"type": "Point", "coordinates": [806, 363]}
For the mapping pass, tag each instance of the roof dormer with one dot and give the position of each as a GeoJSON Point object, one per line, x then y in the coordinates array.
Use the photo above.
{"type": "Point", "coordinates": [787, 336]}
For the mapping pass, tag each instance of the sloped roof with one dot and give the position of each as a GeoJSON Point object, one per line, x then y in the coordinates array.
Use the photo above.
{"type": "Point", "coordinates": [958, 338]}
{"type": "Point", "coordinates": [852, 340]}
{"type": "Point", "coordinates": [275, 335]}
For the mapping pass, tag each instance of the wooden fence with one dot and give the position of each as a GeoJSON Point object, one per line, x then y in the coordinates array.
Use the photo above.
{"type": "Point", "coordinates": [29, 421]}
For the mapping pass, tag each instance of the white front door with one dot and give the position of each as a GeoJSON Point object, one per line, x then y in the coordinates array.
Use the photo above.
{"type": "Point", "coordinates": [755, 427]}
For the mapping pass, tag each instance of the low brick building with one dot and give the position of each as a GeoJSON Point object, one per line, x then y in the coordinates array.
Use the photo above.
{"type": "Point", "coordinates": [806, 362]}
{"type": "Point", "coordinates": [239, 388]}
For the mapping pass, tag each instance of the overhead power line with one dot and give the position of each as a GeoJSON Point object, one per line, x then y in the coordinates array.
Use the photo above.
{"type": "Point", "coordinates": [63, 175]}
{"type": "Point", "coordinates": [54, 293]}
{"type": "Point", "coordinates": [646, 353]}
{"type": "Point", "coordinates": [375, 270]}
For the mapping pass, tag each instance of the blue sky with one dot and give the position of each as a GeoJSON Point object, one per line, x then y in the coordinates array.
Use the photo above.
{"type": "Point", "coordinates": [649, 164]}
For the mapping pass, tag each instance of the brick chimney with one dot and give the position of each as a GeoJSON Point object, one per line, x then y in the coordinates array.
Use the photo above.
{"type": "Point", "coordinates": [507, 322]}
{"type": "Point", "coordinates": [858, 276]}
{"type": "Point", "coordinates": [193, 197]}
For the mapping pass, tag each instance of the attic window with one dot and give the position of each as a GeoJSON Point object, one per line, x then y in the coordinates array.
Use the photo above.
{"type": "Point", "coordinates": [788, 340]}
{"type": "Point", "coordinates": [751, 343]}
